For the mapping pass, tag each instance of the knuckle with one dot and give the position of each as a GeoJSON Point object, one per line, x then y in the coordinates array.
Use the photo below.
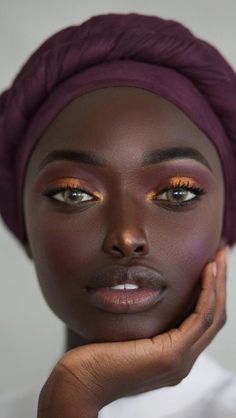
{"type": "Point", "coordinates": [174, 361]}
{"type": "Point", "coordinates": [181, 373]}
{"type": "Point", "coordinates": [185, 372]}
{"type": "Point", "coordinates": [175, 381]}
{"type": "Point", "coordinates": [223, 319]}
{"type": "Point", "coordinates": [65, 371]}
{"type": "Point", "coordinates": [207, 319]}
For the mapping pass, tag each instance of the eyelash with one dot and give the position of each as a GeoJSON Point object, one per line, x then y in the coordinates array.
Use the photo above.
{"type": "Point", "coordinates": [187, 185]}
{"type": "Point", "coordinates": [52, 192]}
{"type": "Point", "coordinates": [198, 191]}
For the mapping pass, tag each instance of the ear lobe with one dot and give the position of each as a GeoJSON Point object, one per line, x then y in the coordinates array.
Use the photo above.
{"type": "Point", "coordinates": [28, 250]}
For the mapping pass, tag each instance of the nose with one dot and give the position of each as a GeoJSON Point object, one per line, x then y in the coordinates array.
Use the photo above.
{"type": "Point", "coordinates": [126, 243]}
{"type": "Point", "coordinates": [126, 236]}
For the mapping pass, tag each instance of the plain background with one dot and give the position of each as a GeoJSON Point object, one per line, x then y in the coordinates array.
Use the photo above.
{"type": "Point", "coordinates": [32, 338]}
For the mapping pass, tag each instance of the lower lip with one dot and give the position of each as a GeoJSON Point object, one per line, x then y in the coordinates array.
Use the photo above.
{"type": "Point", "coordinates": [124, 301]}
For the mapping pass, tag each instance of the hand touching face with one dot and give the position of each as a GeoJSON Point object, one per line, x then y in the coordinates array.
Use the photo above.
{"type": "Point", "coordinates": [87, 378]}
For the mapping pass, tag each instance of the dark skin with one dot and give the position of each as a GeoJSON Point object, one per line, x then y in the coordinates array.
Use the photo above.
{"type": "Point", "coordinates": [135, 218]}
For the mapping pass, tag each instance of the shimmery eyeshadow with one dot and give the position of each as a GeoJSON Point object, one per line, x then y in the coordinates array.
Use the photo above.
{"type": "Point", "coordinates": [72, 183]}
{"type": "Point", "coordinates": [174, 182]}
{"type": "Point", "coordinates": [179, 180]}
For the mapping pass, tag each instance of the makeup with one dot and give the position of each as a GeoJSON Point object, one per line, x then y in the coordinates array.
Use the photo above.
{"type": "Point", "coordinates": [59, 172]}
{"type": "Point", "coordinates": [72, 243]}
{"type": "Point", "coordinates": [70, 191]}
{"type": "Point", "coordinates": [120, 289]}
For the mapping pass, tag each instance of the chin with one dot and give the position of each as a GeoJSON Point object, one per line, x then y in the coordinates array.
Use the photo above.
{"type": "Point", "coordinates": [127, 333]}
{"type": "Point", "coordinates": [126, 327]}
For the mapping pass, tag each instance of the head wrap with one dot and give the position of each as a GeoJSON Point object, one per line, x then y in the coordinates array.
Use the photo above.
{"type": "Point", "coordinates": [148, 52]}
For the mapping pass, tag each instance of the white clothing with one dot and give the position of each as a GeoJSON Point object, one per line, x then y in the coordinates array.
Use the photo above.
{"type": "Point", "coordinates": [209, 391]}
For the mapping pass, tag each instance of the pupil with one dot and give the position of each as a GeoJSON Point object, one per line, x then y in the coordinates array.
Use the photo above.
{"type": "Point", "coordinates": [177, 194]}
{"type": "Point", "coordinates": [73, 195]}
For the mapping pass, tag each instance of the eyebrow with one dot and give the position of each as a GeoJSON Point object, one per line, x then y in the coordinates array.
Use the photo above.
{"type": "Point", "coordinates": [175, 153]}
{"type": "Point", "coordinates": [77, 156]}
{"type": "Point", "coordinates": [154, 157]}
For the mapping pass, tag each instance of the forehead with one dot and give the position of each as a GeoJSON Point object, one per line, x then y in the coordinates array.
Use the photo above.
{"type": "Point", "coordinates": [122, 123]}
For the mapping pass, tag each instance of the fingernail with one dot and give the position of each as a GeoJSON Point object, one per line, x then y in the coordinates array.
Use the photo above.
{"type": "Point", "coordinates": [214, 268]}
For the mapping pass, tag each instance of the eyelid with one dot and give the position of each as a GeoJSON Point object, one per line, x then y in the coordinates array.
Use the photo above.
{"type": "Point", "coordinates": [176, 182]}
{"type": "Point", "coordinates": [66, 182]}
{"type": "Point", "coordinates": [179, 181]}
{"type": "Point", "coordinates": [63, 184]}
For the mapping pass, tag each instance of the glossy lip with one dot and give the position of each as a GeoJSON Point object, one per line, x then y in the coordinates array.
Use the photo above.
{"type": "Point", "coordinates": [150, 282]}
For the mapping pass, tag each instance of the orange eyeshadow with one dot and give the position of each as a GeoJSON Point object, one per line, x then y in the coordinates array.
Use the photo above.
{"type": "Point", "coordinates": [181, 181]}
{"type": "Point", "coordinates": [73, 183]}
{"type": "Point", "coordinates": [174, 182]}
{"type": "Point", "coordinates": [67, 182]}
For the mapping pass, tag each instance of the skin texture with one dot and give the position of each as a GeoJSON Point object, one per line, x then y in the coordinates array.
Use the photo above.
{"type": "Point", "coordinates": [87, 378]}
{"type": "Point", "coordinates": [123, 226]}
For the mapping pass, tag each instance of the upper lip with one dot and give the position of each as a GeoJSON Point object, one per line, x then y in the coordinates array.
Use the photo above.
{"type": "Point", "coordinates": [141, 276]}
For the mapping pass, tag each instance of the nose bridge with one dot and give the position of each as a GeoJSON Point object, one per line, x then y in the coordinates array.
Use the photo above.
{"type": "Point", "coordinates": [126, 235]}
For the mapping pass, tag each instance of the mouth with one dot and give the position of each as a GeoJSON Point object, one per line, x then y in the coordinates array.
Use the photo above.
{"type": "Point", "coordinates": [119, 289]}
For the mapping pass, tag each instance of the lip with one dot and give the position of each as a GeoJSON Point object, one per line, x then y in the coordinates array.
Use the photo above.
{"type": "Point", "coordinates": [151, 289]}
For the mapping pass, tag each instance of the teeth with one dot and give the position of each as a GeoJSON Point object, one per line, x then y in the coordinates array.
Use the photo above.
{"type": "Point", "coordinates": [125, 286]}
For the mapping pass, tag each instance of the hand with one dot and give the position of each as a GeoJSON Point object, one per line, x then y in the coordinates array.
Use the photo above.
{"type": "Point", "coordinates": [89, 377]}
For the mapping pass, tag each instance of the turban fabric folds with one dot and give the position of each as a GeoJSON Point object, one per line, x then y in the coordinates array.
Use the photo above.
{"type": "Point", "coordinates": [147, 52]}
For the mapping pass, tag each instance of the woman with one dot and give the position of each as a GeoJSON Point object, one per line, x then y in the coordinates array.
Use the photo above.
{"type": "Point", "coordinates": [118, 137]}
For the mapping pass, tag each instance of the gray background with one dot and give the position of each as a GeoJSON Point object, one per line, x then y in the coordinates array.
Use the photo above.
{"type": "Point", "coordinates": [32, 337]}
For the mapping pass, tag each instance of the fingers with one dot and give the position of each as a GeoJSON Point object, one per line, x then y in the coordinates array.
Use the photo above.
{"type": "Point", "coordinates": [219, 317]}
{"type": "Point", "coordinates": [209, 315]}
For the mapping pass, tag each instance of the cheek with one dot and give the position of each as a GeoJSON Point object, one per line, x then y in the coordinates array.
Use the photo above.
{"type": "Point", "coordinates": [62, 247]}
{"type": "Point", "coordinates": [193, 244]}
{"type": "Point", "coordinates": [186, 242]}
{"type": "Point", "coordinates": [183, 246]}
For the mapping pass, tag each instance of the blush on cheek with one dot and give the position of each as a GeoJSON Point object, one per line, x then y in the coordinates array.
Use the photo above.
{"type": "Point", "coordinates": [188, 257]}
{"type": "Point", "coordinates": [194, 253]}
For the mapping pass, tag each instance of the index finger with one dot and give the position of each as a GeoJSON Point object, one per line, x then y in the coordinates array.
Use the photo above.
{"type": "Point", "coordinates": [220, 309]}
{"type": "Point", "coordinates": [201, 319]}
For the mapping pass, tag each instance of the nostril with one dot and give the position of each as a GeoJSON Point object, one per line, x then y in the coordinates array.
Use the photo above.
{"type": "Point", "coordinates": [123, 251]}
{"type": "Point", "coordinates": [139, 249]}
{"type": "Point", "coordinates": [126, 244]}
{"type": "Point", "coordinates": [116, 249]}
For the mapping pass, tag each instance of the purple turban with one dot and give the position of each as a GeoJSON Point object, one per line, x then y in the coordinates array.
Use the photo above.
{"type": "Point", "coordinates": [148, 52]}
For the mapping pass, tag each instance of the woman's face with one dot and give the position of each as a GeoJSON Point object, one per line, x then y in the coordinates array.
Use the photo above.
{"type": "Point", "coordinates": [151, 198]}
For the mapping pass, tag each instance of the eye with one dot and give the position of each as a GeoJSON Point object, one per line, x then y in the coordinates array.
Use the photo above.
{"type": "Point", "coordinates": [69, 195]}
{"type": "Point", "coordinates": [180, 191]}
{"type": "Point", "coordinates": [178, 194]}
